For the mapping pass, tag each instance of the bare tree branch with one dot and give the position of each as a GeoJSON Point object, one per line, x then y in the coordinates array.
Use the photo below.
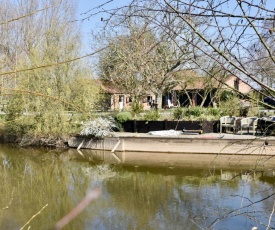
{"type": "Point", "coordinates": [91, 196]}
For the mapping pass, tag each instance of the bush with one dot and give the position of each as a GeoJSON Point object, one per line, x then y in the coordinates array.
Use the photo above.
{"type": "Point", "coordinates": [152, 115]}
{"type": "Point", "coordinates": [137, 108]}
{"type": "Point", "coordinates": [123, 116]}
{"type": "Point", "coordinates": [213, 112]}
{"type": "Point", "coordinates": [194, 111]}
{"type": "Point", "coordinates": [20, 126]}
{"type": "Point", "coordinates": [230, 107]}
{"type": "Point", "coordinates": [178, 113]}
{"type": "Point", "coordinates": [99, 127]}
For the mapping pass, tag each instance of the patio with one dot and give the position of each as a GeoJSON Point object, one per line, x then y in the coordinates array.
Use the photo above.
{"type": "Point", "coordinates": [247, 125]}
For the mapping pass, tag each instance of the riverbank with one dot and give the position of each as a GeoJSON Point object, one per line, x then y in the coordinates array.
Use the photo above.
{"type": "Point", "coordinates": [209, 143]}
{"type": "Point", "coordinates": [189, 150]}
{"type": "Point", "coordinates": [184, 143]}
{"type": "Point", "coordinates": [55, 142]}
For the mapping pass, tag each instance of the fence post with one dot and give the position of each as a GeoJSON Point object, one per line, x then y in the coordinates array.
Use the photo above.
{"type": "Point", "coordinates": [165, 124]}
{"type": "Point", "coordinates": [134, 126]}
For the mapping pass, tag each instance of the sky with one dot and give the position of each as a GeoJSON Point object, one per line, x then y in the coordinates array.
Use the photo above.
{"type": "Point", "coordinates": [87, 25]}
{"type": "Point", "coordinates": [85, 8]}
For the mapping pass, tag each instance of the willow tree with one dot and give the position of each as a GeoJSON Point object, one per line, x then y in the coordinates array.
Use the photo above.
{"type": "Point", "coordinates": [38, 40]}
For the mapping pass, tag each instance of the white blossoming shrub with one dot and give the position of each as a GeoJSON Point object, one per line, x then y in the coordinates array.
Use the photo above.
{"type": "Point", "coordinates": [99, 127]}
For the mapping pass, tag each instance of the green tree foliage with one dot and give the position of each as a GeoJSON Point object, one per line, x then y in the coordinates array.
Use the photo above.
{"type": "Point", "coordinates": [229, 104]}
{"type": "Point", "coordinates": [123, 116]}
{"type": "Point", "coordinates": [152, 115]}
{"type": "Point", "coordinates": [42, 97]}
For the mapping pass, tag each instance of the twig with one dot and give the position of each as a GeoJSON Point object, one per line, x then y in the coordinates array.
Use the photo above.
{"type": "Point", "coordinates": [8, 204]}
{"type": "Point", "coordinates": [270, 216]}
{"type": "Point", "coordinates": [33, 217]}
{"type": "Point", "coordinates": [27, 15]}
{"type": "Point", "coordinates": [196, 224]}
{"type": "Point", "coordinates": [92, 195]}
{"type": "Point", "coordinates": [54, 63]}
{"type": "Point", "coordinates": [236, 210]}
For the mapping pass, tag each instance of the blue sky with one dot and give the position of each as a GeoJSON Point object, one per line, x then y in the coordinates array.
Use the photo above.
{"type": "Point", "coordinates": [86, 7]}
{"type": "Point", "coordinates": [83, 7]}
{"type": "Point", "coordinates": [94, 22]}
{"type": "Point", "coordinates": [87, 25]}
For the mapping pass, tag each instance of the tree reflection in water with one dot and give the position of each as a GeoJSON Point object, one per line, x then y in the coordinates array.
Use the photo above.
{"type": "Point", "coordinates": [132, 197]}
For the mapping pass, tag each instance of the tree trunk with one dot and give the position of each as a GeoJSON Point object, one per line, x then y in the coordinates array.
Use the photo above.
{"type": "Point", "coordinates": [158, 101]}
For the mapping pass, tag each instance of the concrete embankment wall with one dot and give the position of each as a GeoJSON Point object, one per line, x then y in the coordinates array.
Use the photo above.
{"type": "Point", "coordinates": [178, 160]}
{"type": "Point", "coordinates": [195, 145]}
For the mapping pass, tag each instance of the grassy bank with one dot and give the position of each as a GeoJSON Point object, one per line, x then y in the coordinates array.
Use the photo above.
{"type": "Point", "coordinates": [54, 129]}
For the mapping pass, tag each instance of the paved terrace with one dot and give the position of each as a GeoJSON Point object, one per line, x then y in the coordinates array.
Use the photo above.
{"type": "Point", "coordinates": [228, 136]}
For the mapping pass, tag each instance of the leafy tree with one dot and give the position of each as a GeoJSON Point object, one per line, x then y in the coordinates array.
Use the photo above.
{"type": "Point", "coordinates": [37, 44]}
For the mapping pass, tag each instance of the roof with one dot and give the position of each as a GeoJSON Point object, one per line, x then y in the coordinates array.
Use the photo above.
{"type": "Point", "coordinates": [188, 82]}
{"type": "Point", "coordinates": [110, 89]}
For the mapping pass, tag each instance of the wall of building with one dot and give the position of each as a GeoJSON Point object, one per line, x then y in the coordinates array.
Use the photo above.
{"type": "Point", "coordinates": [123, 102]}
{"type": "Point", "coordinates": [242, 86]}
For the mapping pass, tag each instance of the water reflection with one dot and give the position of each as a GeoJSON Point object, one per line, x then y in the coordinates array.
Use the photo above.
{"type": "Point", "coordinates": [175, 159]}
{"type": "Point", "coordinates": [139, 191]}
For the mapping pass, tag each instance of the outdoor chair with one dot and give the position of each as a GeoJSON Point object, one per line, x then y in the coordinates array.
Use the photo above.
{"type": "Point", "coordinates": [228, 122]}
{"type": "Point", "coordinates": [249, 123]}
{"type": "Point", "coordinates": [266, 125]}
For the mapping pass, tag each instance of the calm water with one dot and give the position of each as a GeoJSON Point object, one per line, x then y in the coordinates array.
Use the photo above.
{"type": "Point", "coordinates": [133, 196]}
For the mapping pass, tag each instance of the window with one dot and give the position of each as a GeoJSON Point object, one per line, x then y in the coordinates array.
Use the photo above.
{"type": "Point", "coordinates": [236, 84]}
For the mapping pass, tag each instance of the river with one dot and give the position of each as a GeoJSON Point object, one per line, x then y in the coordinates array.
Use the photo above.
{"type": "Point", "coordinates": [40, 186]}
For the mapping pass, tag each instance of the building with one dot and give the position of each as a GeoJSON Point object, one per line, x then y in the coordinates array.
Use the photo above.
{"type": "Point", "coordinates": [119, 101]}
{"type": "Point", "coordinates": [189, 91]}
{"type": "Point", "coordinates": [196, 90]}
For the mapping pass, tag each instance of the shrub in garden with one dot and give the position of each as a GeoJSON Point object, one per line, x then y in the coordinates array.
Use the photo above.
{"type": "Point", "coordinates": [230, 107]}
{"type": "Point", "coordinates": [178, 113]}
{"type": "Point", "coordinates": [123, 116]}
{"type": "Point", "coordinates": [194, 111]}
{"type": "Point", "coordinates": [216, 112]}
{"type": "Point", "coordinates": [152, 115]}
{"type": "Point", "coordinates": [137, 107]}
{"type": "Point", "coordinates": [99, 127]}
